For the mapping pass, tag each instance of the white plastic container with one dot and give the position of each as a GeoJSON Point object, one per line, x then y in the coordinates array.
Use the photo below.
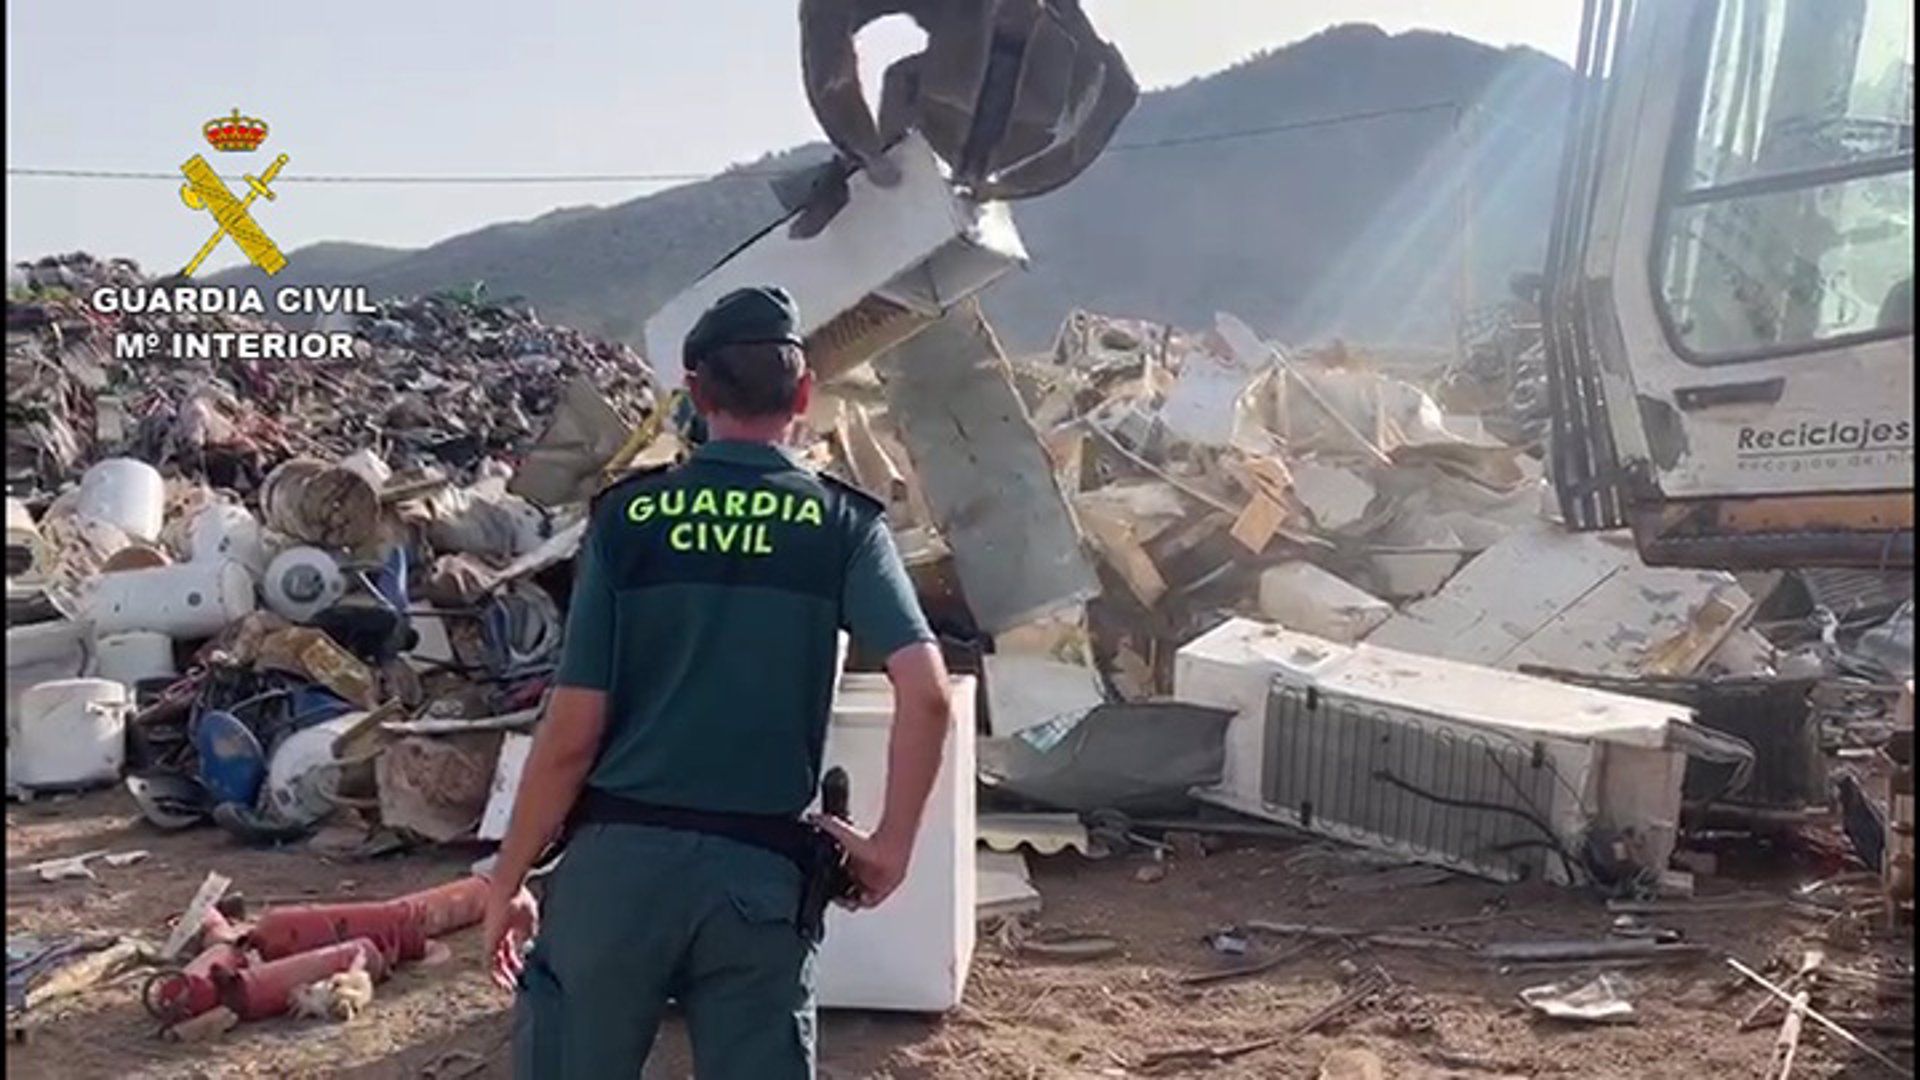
{"type": "Point", "coordinates": [57, 641]}
{"type": "Point", "coordinates": [127, 493]}
{"type": "Point", "coordinates": [913, 952]}
{"type": "Point", "coordinates": [302, 582]}
{"type": "Point", "coordinates": [128, 657]}
{"type": "Point", "coordinates": [71, 733]}
{"type": "Point", "coordinates": [226, 531]}
{"type": "Point", "coordinates": [184, 601]}
{"type": "Point", "coordinates": [42, 652]}
{"type": "Point", "coordinates": [303, 774]}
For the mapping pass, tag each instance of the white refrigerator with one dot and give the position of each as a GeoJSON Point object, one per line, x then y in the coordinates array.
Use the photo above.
{"type": "Point", "coordinates": [911, 954]}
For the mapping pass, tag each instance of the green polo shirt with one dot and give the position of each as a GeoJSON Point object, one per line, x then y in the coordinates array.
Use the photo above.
{"type": "Point", "coordinates": [707, 604]}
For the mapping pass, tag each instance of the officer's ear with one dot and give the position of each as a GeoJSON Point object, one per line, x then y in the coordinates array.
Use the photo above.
{"type": "Point", "coordinates": [803, 392]}
{"type": "Point", "coordinates": [697, 392]}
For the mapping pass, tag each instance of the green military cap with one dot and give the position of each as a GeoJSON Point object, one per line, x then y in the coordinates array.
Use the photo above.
{"type": "Point", "coordinates": [763, 314]}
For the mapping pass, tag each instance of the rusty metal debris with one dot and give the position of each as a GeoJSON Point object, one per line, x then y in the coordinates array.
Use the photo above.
{"type": "Point", "coordinates": [347, 493]}
{"type": "Point", "coordinates": [439, 380]}
{"type": "Point", "coordinates": [1078, 522]}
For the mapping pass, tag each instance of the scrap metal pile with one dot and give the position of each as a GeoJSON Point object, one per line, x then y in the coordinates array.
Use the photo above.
{"type": "Point", "coordinates": [325, 585]}
{"type": "Point", "coordinates": [322, 603]}
{"type": "Point", "coordinates": [263, 573]}
{"type": "Point", "coordinates": [442, 381]}
{"type": "Point", "coordinates": [1148, 539]}
{"type": "Point", "coordinates": [293, 599]}
{"type": "Point", "coordinates": [1214, 474]}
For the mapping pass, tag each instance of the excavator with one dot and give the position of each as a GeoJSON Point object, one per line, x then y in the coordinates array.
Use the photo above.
{"type": "Point", "coordinates": [1726, 307]}
{"type": "Point", "coordinates": [1728, 295]}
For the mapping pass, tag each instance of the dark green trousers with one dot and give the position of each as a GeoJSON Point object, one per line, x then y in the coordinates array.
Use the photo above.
{"type": "Point", "coordinates": [635, 916]}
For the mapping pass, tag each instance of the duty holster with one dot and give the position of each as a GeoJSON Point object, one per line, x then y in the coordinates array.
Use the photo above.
{"type": "Point", "coordinates": [824, 876]}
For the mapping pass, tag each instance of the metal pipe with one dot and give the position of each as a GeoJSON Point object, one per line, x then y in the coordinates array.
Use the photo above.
{"type": "Point", "coordinates": [264, 990]}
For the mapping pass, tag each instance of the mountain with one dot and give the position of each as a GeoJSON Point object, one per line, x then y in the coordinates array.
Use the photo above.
{"type": "Point", "coordinates": [331, 260]}
{"type": "Point", "coordinates": [1314, 190]}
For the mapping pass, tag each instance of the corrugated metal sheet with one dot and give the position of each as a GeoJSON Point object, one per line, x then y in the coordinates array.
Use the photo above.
{"type": "Point", "coordinates": [1849, 593]}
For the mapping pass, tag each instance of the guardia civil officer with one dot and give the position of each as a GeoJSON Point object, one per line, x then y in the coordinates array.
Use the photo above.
{"type": "Point", "coordinates": [683, 742]}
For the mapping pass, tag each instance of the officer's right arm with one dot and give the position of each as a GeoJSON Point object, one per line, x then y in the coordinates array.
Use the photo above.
{"type": "Point", "coordinates": [569, 736]}
{"type": "Point", "coordinates": [885, 618]}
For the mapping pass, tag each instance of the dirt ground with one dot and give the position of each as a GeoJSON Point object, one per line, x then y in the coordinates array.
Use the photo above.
{"type": "Point", "coordinates": [1444, 1015]}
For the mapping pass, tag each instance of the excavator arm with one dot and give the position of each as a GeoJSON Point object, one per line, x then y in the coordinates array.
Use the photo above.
{"type": "Point", "coordinates": [831, 70]}
{"type": "Point", "coordinates": [1017, 97]}
{"type": "Point", "coordinates": [1100, 94]}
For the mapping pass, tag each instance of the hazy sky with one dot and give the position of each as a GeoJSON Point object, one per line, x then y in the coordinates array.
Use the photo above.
{"type": "Point", "coordinates": [436, 87]}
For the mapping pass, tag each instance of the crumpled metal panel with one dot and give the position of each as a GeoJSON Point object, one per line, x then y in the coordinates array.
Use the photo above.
{"type": "Point", "coordinates": [1579, 601]}
{"type": "Point", "coordinates": [986, 477]}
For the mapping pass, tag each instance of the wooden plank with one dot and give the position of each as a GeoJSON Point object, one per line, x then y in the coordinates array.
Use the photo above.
{"type": "Point", "coordinates": [1787, 1043]}
{"type": "Point", "coordinates": [1849, 1037]}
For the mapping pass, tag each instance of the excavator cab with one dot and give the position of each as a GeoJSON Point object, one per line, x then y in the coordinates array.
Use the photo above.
{"type": "Point", "coordinates": [1728, 297]}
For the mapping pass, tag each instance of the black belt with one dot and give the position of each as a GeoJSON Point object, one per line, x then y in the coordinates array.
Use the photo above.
{"type": "Point", "coordinates": [789, 838]}
{"type": "Point", "coordinates": [823, 866]}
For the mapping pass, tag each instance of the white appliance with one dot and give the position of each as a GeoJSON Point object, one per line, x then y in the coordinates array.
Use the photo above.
{"type": "Point", "coordinates": [38, 653]}
{"type": "Point", "coordinates": [889, 262]}
{"type": "Point", "coordinates": [71, 733]}
{"type": "Point", "coordinates": [912, 953]}
{"type": "Point", "coordinates": [185, 600]}
{"type": "Point", "coordinates": [1481, 770]}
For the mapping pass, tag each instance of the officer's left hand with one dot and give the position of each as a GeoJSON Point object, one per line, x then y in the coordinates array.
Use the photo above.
{"type": "Point", "coordinates": [878, 862]}
{"type": "Point", "coordinates": [512, 920]}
